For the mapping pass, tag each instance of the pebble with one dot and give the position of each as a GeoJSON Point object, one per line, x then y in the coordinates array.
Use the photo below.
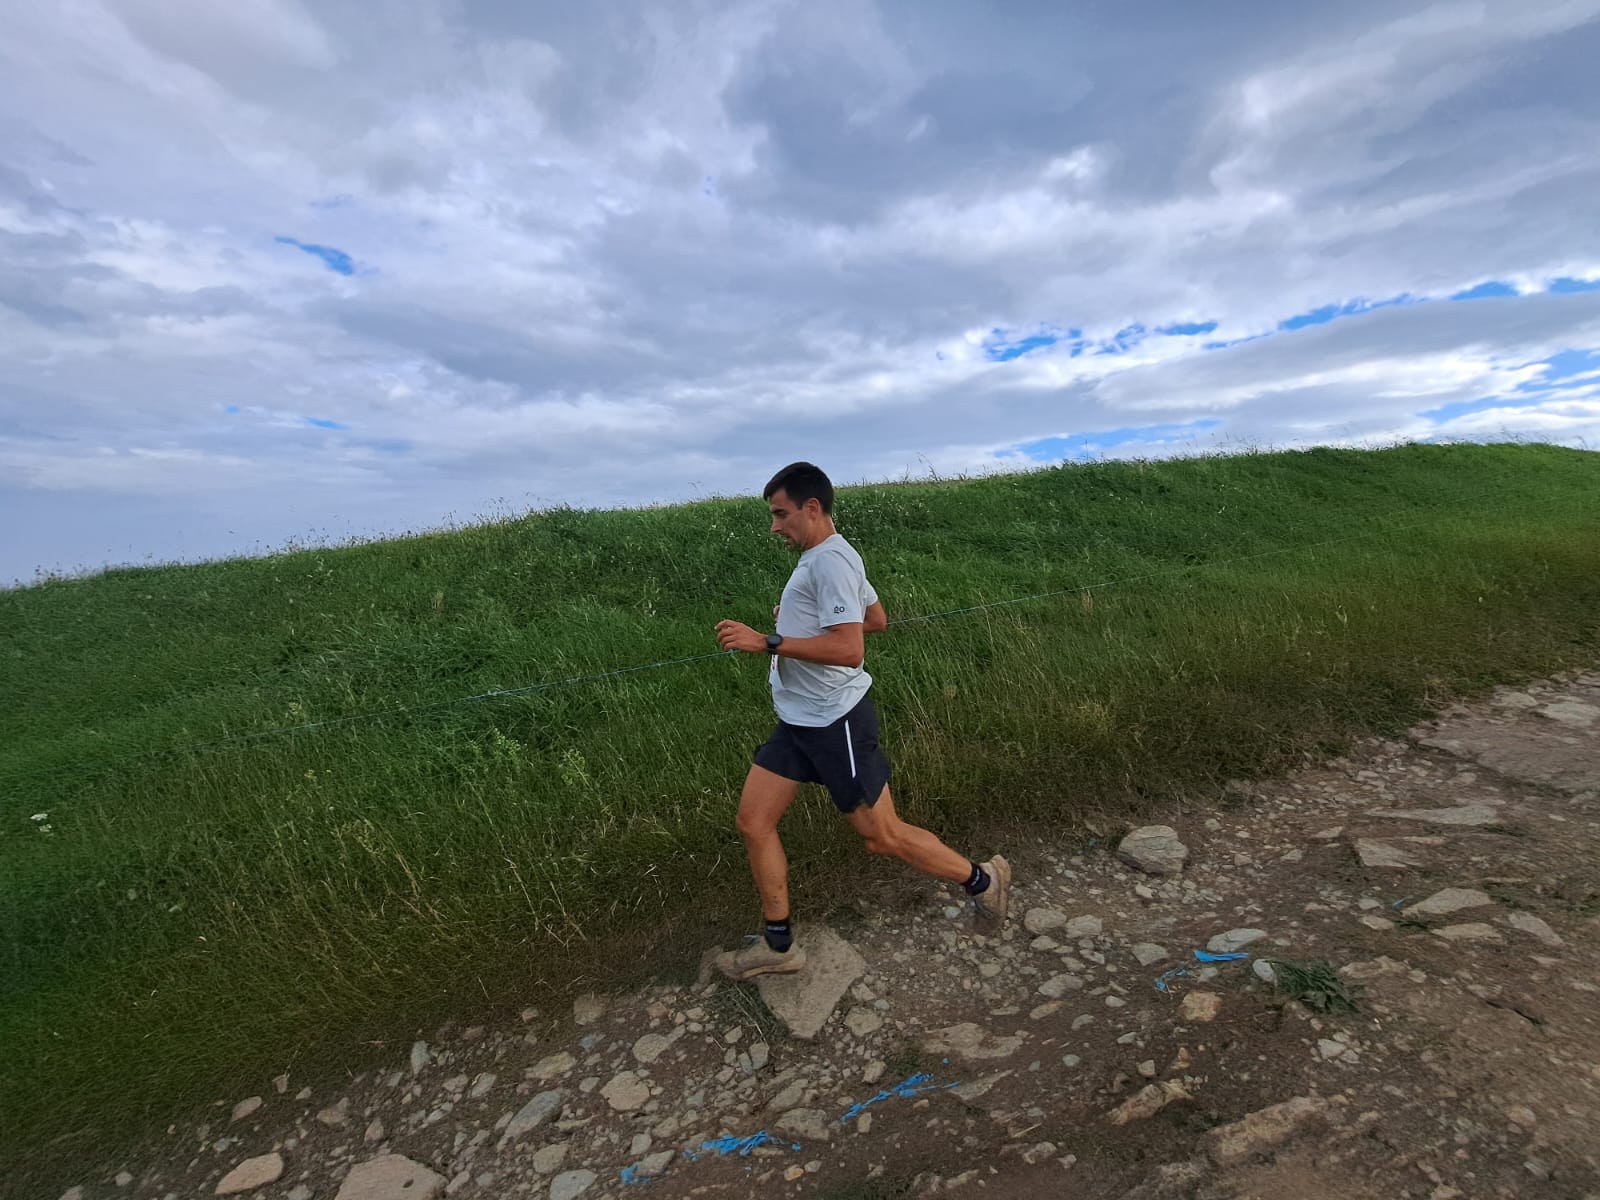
{"type": "Point", "coordinates": [1234, 940]}
{"type": "Point", "coordinates": [1059, 985]}
{"type": "Point", "coordinates": [1043, 920]}
{"type": "Point", "coordinates": [626, 1092]}
{"type": "Point", "coordinates": [532, 1115]}
{"type": "Point", "coordinates": [252, 1173]}
{"type": "Point", "coordinates": [862, 1021]}
{"type": "Point", "coordinates": [1200, 1006]}
{"type": "Point", "coordinates": [552, 1066]}
{"type": "Point", "coordinates": [570, 1185]}
{"type": "Point", "coordinates": [549, 1158]}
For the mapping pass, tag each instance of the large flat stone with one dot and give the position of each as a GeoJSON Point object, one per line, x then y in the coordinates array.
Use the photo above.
{"type": "Point", "coordinates": [1540, 748]}
{"type": "Point", "coordinates": [1155, 849]}
{"type": "Point", "coordinates": [1381, 852]}
{"type": "Point", "coordinates": [804, 1000]}
{"type": "Point", "coordinates": [969, 1042]}
{"type": "Point", "coordinates": [390, 1177]}
{"type": "Point", "coordinates": [1449, 900]}
{"type": "Point", "coordinates": [1233, 1144]}
{"type": "Point", "coordinates": [252, 1173]}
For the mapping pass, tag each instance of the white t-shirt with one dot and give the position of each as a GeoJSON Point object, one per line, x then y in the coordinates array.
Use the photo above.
{"type": "Point", "coordinates": [829, 587]}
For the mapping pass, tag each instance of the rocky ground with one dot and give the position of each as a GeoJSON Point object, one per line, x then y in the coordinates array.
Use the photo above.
{"type": "Point", "coordinates": [1445, 883]}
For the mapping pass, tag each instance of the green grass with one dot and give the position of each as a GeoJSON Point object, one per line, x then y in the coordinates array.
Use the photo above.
{"type": "Point", "coordinates": [1314, 983]}
{"type": "Point", "coordinates": [194, 921]}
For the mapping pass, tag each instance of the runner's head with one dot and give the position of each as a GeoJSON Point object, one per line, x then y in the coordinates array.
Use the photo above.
{"type": "Point", "coordinates": [801, 500]}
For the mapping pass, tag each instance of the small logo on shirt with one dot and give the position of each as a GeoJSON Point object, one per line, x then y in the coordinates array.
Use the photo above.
{"type": "Point", "coordinates": [838, 608]}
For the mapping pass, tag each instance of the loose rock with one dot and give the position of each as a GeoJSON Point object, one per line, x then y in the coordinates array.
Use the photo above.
{"type": "Point", "coordinates": [626, 1092]}
{"type": "Point", "coordinates": [252, 1173]}
{"type": "Point", "coordinates": [1200, 1006]}
{"type": "Point", "coordinates": [1448, 901]}
{"type": "Point", "coordinates": [1234, 940]}
{"type": "Point", "coordinates": [1039, 921]}
{"type": "Point", "coordinates": [532, 1115]}
{"type": "Point", "coordinates": [1154, 849]}
{"type": "Point", "coordinates": [970, 1041]}
{"type": "Point", "coordinates": [390, 1177]}
{"type": "Point", "coordinates": [1261, 1130]}
{"type": "Point", "coordinates": [571, 1184]}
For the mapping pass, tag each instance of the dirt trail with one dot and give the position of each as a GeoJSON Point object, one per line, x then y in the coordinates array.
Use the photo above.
{"type": "Point", "coordinates": [1449, 876]}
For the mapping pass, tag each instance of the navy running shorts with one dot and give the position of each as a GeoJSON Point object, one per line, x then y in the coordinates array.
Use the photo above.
{"type": "Point", "coordinates": [844, 757]}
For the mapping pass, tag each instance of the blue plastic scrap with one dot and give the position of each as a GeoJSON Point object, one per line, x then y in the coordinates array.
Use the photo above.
{"type": "Point", "coordinates": [728, 1145]}
{"type": "Point", "coordinates": [1204, 956]}
{"type": "Point", "coordinates": [914, 1086]}
{"type": "Point", "coordinates": [630, 1174]}
{"type": "Point", "coordinates": [1161, 981]}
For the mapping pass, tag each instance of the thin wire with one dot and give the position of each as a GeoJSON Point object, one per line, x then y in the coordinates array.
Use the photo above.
{"type": "Point", "coordinates": [597, 676]}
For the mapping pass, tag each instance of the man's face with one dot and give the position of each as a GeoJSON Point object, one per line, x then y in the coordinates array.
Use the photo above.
{"type": "Point", "coordinates": [792, 524]}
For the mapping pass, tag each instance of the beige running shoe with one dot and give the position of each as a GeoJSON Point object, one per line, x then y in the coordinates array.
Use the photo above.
{"type": "Point", "coordinates": [994, 902]}
{"type": "Point", "coordinates": [758, 958]}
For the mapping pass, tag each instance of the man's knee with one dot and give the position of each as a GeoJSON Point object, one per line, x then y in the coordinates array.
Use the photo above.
{"type": "Point", "coordinates": [753, 824]}
{"type": "Point", "coordinates": [883, 839]}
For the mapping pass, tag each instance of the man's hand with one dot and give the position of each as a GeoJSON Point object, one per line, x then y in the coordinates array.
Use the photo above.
{"type": "Point", "coordinates": [731, 635]}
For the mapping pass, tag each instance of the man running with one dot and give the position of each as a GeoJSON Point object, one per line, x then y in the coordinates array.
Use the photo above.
{"type": "Point", "coordinates": [827, 726]}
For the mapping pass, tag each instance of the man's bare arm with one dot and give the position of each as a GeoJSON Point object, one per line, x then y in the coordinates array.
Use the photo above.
{"type": "Point", "coordinates": [837, 646]}
{"type": "Point", "coordinates": [877, 620]}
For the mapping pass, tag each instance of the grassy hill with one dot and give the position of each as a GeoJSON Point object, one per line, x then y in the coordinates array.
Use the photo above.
{"type": "Point", "coordinates": [259, 815]}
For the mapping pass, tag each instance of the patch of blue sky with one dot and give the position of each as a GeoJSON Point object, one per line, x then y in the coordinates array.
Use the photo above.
{"type": "Point", "coordinates": [230, 408]}
{"type": "Point", "coordinates": [1350, 308]}
{"type": "Point", "coordinates": [335, 260]}
{"type": "Point", "coordinates": [1187, 328]}
{"type": "Point", "coordinates": [1567, 285]}
{"type": "Point", "coordinates": [1002, 345]}
{"type": "Point", "coordinates": [1563, 370]}
{"type": "Point", "coordinates": [1239, 341]}
{"type": "Point", "coordinates": [1123, 340]}
{"type": "Point", "coordinates": [1487, 290]}
{"type": "Point", "coordinates": [324, 423]}
{"type": "Point", "coordinates": [1569, 369]}
{"type": "Point", "coordinates": [1462, 408]}
{"type": "Point", "coordinates": [1089, 445]}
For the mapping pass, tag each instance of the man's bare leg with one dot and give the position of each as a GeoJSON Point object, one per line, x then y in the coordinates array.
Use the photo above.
{"type": "Point", "coordinates": [885, 833]}
{"type": "Point", "coordinates": [766, 797]}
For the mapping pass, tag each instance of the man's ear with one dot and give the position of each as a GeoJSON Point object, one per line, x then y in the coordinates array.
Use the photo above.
{"type": "Point", "coordinates": [813, 506]}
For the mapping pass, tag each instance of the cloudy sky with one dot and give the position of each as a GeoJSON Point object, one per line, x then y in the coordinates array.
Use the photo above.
{"type": "Point", "coordinates": [272, 270]}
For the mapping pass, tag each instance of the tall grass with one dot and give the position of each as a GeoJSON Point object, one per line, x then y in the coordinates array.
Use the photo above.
{"type": "Point", "coordinates": [185, 923]}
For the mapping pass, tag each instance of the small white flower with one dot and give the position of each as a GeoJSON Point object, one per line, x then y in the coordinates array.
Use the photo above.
{"type": "Point", "coordinates": [40, 817]}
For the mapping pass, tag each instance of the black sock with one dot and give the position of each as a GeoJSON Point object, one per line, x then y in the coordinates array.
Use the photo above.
{"type": "Point", "coordinates": [979, 881]}
{"type": "Point", "coordinates": [778, 935]}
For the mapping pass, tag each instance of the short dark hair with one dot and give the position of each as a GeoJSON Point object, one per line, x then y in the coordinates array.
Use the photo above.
{"type": "Point", "coordinates": [801, 482]}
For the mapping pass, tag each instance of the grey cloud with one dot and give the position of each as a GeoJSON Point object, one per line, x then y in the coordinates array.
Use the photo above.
{"type": "Point", "coordinates": [557, 308]}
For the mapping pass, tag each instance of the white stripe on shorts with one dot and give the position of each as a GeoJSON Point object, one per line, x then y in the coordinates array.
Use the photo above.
{"type": "Point", "coordinates": [850, 748]}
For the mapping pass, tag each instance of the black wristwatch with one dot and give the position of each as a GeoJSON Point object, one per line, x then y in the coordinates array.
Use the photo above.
{"type": "Point", "coordinates": [774, 640]}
